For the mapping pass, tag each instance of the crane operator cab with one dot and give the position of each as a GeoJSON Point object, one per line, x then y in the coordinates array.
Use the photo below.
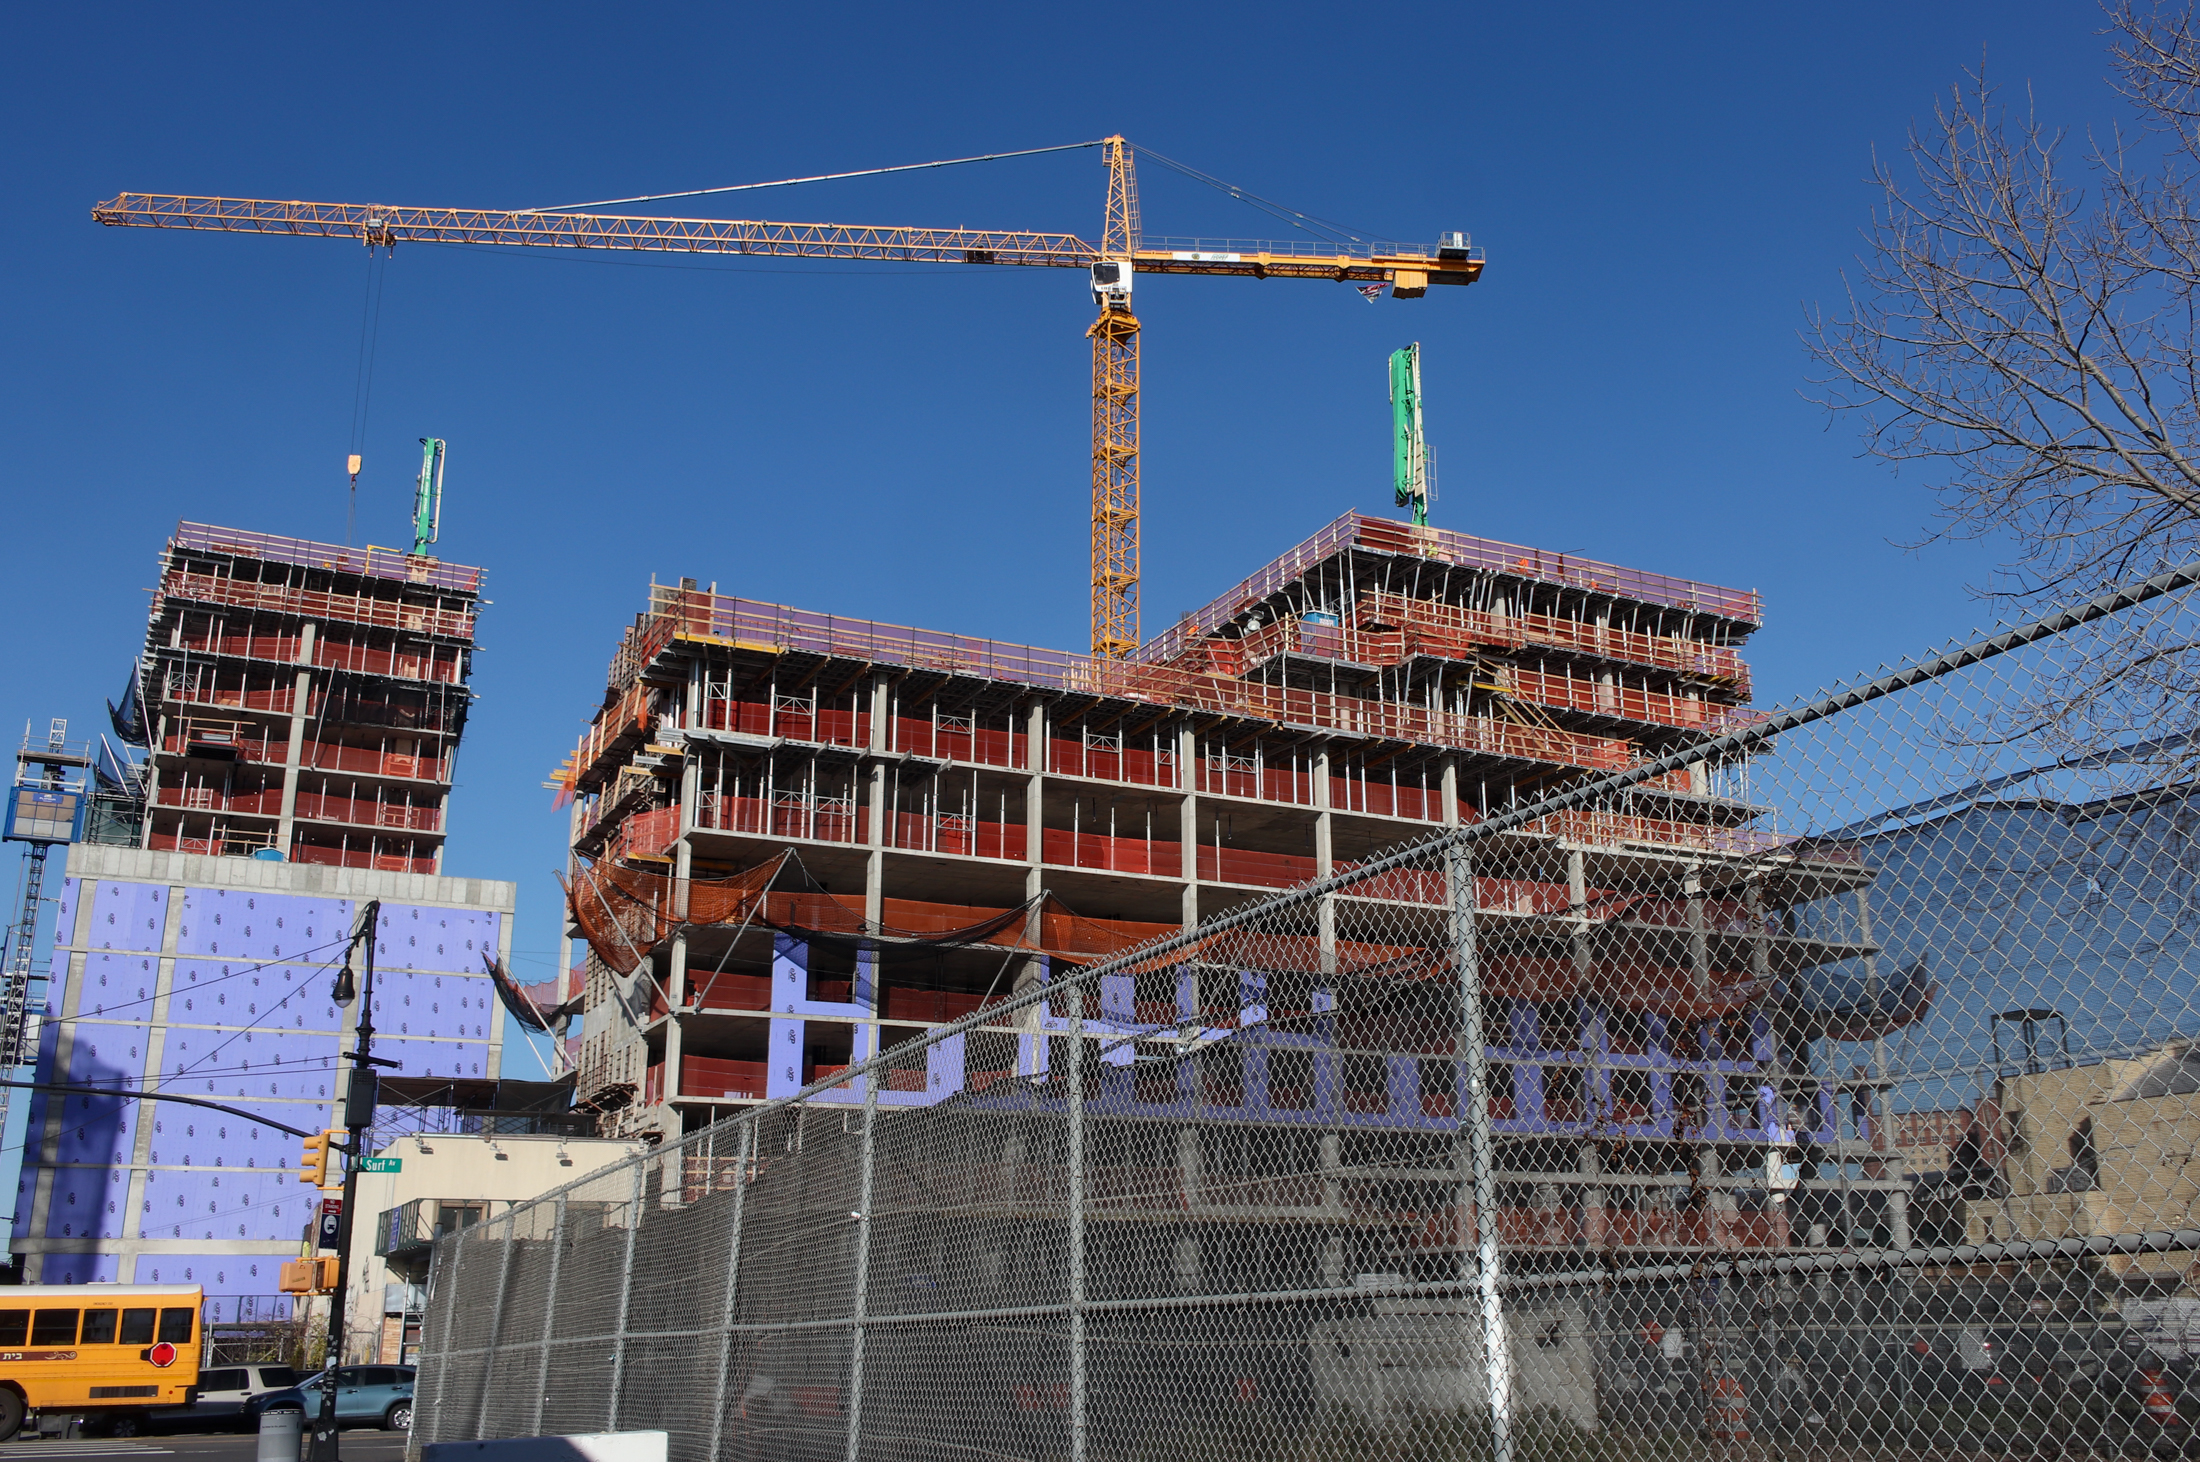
{"type": "Point", "coordinates": [1111, 284]}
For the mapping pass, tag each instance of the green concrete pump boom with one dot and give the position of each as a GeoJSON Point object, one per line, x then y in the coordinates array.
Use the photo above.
{"type": "Point", "coordinates": [1410, 451]}
{"type": "Point", "coordinates": [428, 496]}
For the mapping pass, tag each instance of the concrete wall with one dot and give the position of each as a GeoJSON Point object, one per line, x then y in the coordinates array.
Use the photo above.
{"type": "Point", "coordinates": [209, 977]}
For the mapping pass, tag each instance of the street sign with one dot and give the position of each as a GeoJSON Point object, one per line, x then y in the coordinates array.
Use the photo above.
{"type": "Point", "coordinates": [332, 1205]}
{"type": "Point", "coordinates": [382, 1165]}
{"type": "Point", "coordinates": [329, 1230]}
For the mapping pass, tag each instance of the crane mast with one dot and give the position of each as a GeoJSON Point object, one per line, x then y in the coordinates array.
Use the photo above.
{"type": "Point", "coordinates": [1115, 419]}
{"type": "Point", "coordinates": [1113, 264]}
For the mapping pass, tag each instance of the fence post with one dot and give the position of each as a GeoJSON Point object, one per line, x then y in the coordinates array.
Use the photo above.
{"type": "Point", "coordinates": [1496, 1350]}
{"type": "Point", "coordinates": [733, 1282]}
{"type": "Point", "coordinates": [1076, 1235]}
{"type": "Point", "coordinates": [549, 1314]}
{"type": "Point", "coordinates": [442, 1275]}
{"type": "Point", "coordinates": [496, 1324]}
{"type": "Point", "coordinates": [626, 1290]}
{"type": "Point", "coordinates": [862, 1277]}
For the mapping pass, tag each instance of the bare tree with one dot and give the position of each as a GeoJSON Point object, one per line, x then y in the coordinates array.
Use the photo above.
{"type": "Point", "coordinates": [2023, 329]}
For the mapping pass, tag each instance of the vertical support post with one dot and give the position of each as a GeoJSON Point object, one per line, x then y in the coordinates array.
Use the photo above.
{"type": "Point", "coordinates": [733, 1285]}
{"type": "Point", "coordinates": [1076, 1235]}
{"type": "Point", "coordinates": [1187, 818]}
{"type": "Point", "coordinates": [859, 1318]}
{"type": "Point", "coordinates": [549, 1313]}
{"type": "Point", "coordinates": [496, 1325]}
{"type": "Point", "coordinates": [444, 1270]}
{"type": "Point", "coordinates": [1466, 963]}
{"type": "Point", "coordinates": [1891, 1166]}
{"type": "Point", "coordinates": [626, 1294]}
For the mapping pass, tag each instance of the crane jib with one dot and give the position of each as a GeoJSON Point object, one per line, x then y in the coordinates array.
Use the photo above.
{"type": "Point", "coordinates": [389, 225]}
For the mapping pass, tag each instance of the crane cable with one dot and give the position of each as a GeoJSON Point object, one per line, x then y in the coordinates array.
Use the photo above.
{"type": "Point", "coordinates": [1308, 221]}
{"type": "Point", "coordinates": [907, 167]}
{"type": "Point", "coordinates": [362, 382]}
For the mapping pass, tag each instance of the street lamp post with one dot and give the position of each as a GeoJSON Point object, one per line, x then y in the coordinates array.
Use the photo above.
{"type": "Point", "coordinates": [359, 1103]}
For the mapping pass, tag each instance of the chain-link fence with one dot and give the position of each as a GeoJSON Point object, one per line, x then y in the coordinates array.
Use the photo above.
{"type": "Point", "coordinates": [1830, 1086]}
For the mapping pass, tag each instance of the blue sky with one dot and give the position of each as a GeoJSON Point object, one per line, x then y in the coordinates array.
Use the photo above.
{"type": "Point", "coordinates": [1660, 191]}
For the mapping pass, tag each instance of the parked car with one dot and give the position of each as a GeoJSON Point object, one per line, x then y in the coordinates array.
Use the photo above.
{"type": "Point", "coordinates": [224, 1393]}
{"type": "Point", "coordinates": [365, 1396]}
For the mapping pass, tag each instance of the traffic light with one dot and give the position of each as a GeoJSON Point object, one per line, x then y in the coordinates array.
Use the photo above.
{"type": "Point", "coordinates": [307, 1276]}
{"type": "Point", "coordinates": [313, 1162]}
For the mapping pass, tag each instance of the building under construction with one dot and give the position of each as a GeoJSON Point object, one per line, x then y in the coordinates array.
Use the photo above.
{"type": "Point", "coordinates": [304, 698]}
{"type": "Point", "coordinates": [800, 838]}
{"type": "Point", "coordinates": [299, 707]}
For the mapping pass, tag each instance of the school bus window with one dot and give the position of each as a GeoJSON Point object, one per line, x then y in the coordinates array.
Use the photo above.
{"type": "Point", "coordinates": [99, 1327]}
{"type": "Point", "coordinates": [175, 1326]}
{"type": "Point", "coordinates": [137, 1327]}
{"type": "Point", "coordinates": [14, 1325]}
{"type": "Point", "coordinates": [53, 1327]}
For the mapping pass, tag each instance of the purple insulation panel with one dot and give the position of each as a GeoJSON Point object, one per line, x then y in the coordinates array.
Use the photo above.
{"type": "Point", "coordinates": [249, 926]}
{"type": "Point", "coordinates": [280, 1065]}
{"type": "Point", "coordinates": [435, 1058]}
{"type": "Point", "coordinates": [224, 1203]}
{"type": "Point", "coordinates": [233, 1275]}
{"type": "Point", "coordinates": [88, 1202]}
{"type": "Point", "coordinates": [252, 1303]}
{"type": "Point", "coordinates": [410, 937]}
{"type": "Point", "coordinates": [128, 915]}
{"type": "Point", "coordinates": [64, 923]}
{"type": "Point", "coordinates": [101, 1129]}
{"type": "Point", "coordinates": [117, 986]}
{"type": "Point", "coordinates": [262, 997]}
{"type": "Point", "coordinates": [77, 1269]}
{"type": "Point", "coordinates": [197, 1138]}
{"type": "Point", "coordinates": [413, 1003]}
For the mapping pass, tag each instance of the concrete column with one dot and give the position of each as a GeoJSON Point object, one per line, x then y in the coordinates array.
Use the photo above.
{"type": "Point", "coordinates": [1035, 740]}
{"type": "Point", "coordinates": [1577, 906]}
{"type": "Point", "coordinates": [1035, 878]}
{"type": "Point", "coordinates": [1451, 792]}
{"type": "Point", "coordinates": [1607, 679]}
{"type": "Point", "coordinates": [1699, 937]}
{"type": "Point", "coordinates": [874, 865]}
{"type": "Point", "coordinates": [1719, 1202]}
{"type": "Point", "coordinates": [158, 730]}
{"type": "Point", "coordinates": [1590, 1163]}
{"type": "Point", "coordinates": [683, 853]}
{"type": "Point", "coordinates": [301, 702]}
{"type": "Point", "coordinates": [1190, 1166]}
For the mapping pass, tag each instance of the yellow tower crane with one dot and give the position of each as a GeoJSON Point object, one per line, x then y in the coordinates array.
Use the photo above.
{"type": "Point", "coordinates": [1113, 264]}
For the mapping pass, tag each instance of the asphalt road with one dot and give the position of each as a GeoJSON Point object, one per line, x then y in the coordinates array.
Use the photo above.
{"type": "Point", "coordinates": [355, 1446]}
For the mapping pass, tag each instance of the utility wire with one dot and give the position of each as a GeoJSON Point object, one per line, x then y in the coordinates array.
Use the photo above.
{"type": "Point", "coordinates": [106, 1010]}
{"type": "Point", "coordinates": [907, 167]}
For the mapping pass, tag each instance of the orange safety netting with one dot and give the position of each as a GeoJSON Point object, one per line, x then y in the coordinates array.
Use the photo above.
{"type": "Point", "coordinates": [624, 913]}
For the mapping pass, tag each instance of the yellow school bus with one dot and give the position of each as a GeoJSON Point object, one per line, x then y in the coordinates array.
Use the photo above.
{"type": "Point", "coordinates": [107, 1351]}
